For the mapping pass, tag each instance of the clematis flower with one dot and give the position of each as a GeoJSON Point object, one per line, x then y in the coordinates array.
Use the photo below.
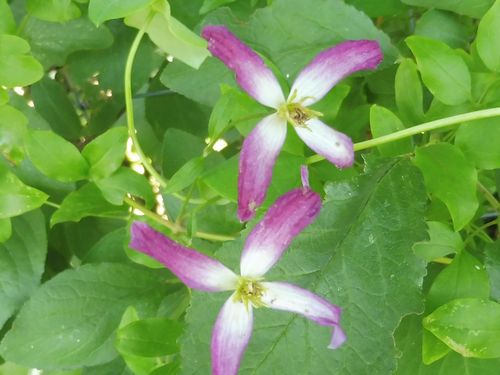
{"type": "Point", "coordinates": [261, 148]}
{"type": "Point", "coordinates": [289, 215]}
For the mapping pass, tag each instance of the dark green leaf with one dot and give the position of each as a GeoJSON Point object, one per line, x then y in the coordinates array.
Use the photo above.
{"type": "Point", "coordinates": [446, 27]}
{"type": "Point", "coordinates": [22, 261]}
{"type": "Point", "coordinates": [110, 248]}
{"type": "Point", "coordinates": [472, 8]}
{"type": "Point", "coordinates": [53, 10]}
{"type": "Point", "coordinates": [178, 148]}
{"type": "Point", "coordinates": [492, 263]}
{"type": "Point", "coordinates": [60, 336]}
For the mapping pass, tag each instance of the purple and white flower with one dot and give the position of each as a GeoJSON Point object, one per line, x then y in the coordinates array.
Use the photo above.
{"type": "Point", "coordinates": [286, 218]}
{"type": "Point", "coordinates": [262, 146]}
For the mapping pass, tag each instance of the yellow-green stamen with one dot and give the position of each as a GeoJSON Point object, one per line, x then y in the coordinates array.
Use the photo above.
{"type": "Point", "coordinates": [249, 291]}
{"type": "Point", "coordinates": [296, 113]}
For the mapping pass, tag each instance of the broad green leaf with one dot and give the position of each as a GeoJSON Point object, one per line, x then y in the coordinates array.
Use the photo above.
{"type": "Point", "coordinates": [52, 103]}
{"type": "Point", "coordinates": [346, 256]}
{"type": "Point", "coordinates": [409, 342]}
{"type": "Point", "coordinates": [53, 10]}
{"type": "Point", "coordinates": [12, 130]}
{"type": "Point", "coordinates": [450, 177]}
{"type": "Point", "coordinates": [154, 337]}
{"type": "Point", "coordinates": [7, 22]}
{"type": "Point", "coordinates": [22, 262]}
{"type": "Point", "coordinates": [115, 367]}
{"type": "Point", "coordinates": [209, 5]}
{"type": "Point", "coordinates": [469, 326]}
{"type": "Point", "coordinates": [383, 122]}
{"type": "Point", "coordinates": [17, 198]}
{"type": "Point", "coordinates": [492, 263]}
{"type": "Point", "coordinates": [379, 8]}
{"type": "Point", "coordinates": [433, 349]}
{"type": "Point", "coordinates": [443, 241]}
{"type": "Point", "coordinates": [53, 42]}
{"type": "Point", "coordinates": [488, 38]}
{"type": "Point", "coordinates": [186, 175]}
{"type": "Point", "coordinates": [170, 35]}
{"type": "Point", "coordinates": [105, 154]}
{"type": "Point", "coordinates": [444, 26]}
{"type": "Point", "coordinates": [443, 71]}
{"type": "Point", "coordinates": [45, 149]}
{"type": "Point", "coordinates": [17, 68]}
{"type": "Point", "coordinates": [5, 229]}
{"type": "Point", "coordinates": [178, 148]}
{"type": "Point", "coordinates": [125, 181]}
{"type": "Point", "coordinates": [465, 277]}
{"type": "Point", "coordinates": [86, 201]}
{"type": "Point", "coordinates": [4, 95]}
{"type": "Point", "coordinates": [103, 10]}
{"type": "Point", "coordinates": [110, 248]}
{"type": "Point", "coordinates": [471, 8]}
{"type": "Point", "coordinates": [480, 142]}
{"type": "Point", "coordinates": [70, 321]}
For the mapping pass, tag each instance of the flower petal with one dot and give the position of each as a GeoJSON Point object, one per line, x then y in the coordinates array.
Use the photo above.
{"type": "Point", "coordinates": [286, 218]}
{"type": "Point", "coordinates": [289, 297]}
{"type": "Point", "coordinates": [327, 142]}
{"type": "Point", "coordinates": [230, 337]}
{"type": "Point", "coordinates": [195, 269]}
{"type": "Point", "coordinates": [258, 155]}
{"type": "Point", "coordinates": [251, 73]}
{"type": "Point", "coordinates": [332, 65]}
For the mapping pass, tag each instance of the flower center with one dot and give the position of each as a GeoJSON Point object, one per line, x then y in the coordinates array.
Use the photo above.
{"type": "Point", "coordinates": [249, 291]}
{"type": "Point", "coordinates": [296, 113]}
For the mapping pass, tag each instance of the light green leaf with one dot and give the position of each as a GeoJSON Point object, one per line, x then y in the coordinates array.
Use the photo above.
{"type": "Point", "coordinates": [86, 201]}
{"type": "Point", "coordinates": [433, 349]}
{"type": "Point", "coordinates": [186, 175]}
{"type": "Point", "coordinates": [480, 142]}
{"type": "Point", "coordinates": [492, 263]}
{"type": "Point", "coordinates": [170, 35]}
{"type": "Point", "coordinates": [469, 326]}
{"type": "Point", "coordinates": [443, 241]}
{"type": "Point", "coordinates": [45, 149]}
{"type": "Point", "coordinates": [105, 154]}
{"type": "Point", "coordinates": [450, 177]}
{"type": "Point", "coordinates": [103, 10]}
{"type": "Point", "coordinates": [60, 336]}
{"type": "Point", "coordinates": [12, 131]}
{"type": "Point", "coordinates": [22, 261]}
{"type": "Point", "coordinates": [17, 68]}
{"type": "Point", "coordinates": [444, 26]}
{"type": "Point", "coordinates": [383, 122]}
{"type": "Point", "coordinates": [52, 103]}
{"type": "Point", "coordinates": [5, 229]}
{"type": "Point", "coordinates": [347, 257]}
{"type": "Point", "coordinates": [154, 337]}
{"type": "Point", "coordinates": [471, 8]}
{"type": "Point", "coordinates": [17, 198]}
{"type": "Point", "coordinates": [7, 22]}
{"type": "Point", "coordinates": [488, 38]}
{"type": "Point", "coordinates": [53, 10]}
{"type": "Point", "coordinates": [125, 181]}
{"type": "Point", "coordinates": [443, 71]}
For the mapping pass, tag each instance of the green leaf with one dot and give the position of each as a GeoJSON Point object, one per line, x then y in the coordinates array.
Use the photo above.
{"type": "Point", "coordinates": [433, 349]}
{"type": "Point", "coordinates": [86, 201]}
{"type": "Point", "coordinates": [100, 11]}
{"type": "Point", "coordinates": [60, 336]}
{"type": "Point", "coordinates": [186, 175]}
{"type": "Point", "coordinates": [125, 181]}
{"type": "Point", "coordinates": [471, 8]}
{"type": "Point", "coordinates": [488, 38]}
{"type": "Point", "coordinates": [170, 35]}
{"type": "Point", "coordinates": [5, 229]}
{"type": "Point", "coordinates": [22, 261]}
{"type": "Point", "coordinates": [209, 5]}
{"type": "Point", "coordinates": [443, 241]}
{"type": "Point", "coordinates": [12, 131]}
{"type": "Point", "coordinates": [480, 142]}
{"type": "Point", "coordinates": [178, 148]}
{"type": "Point", "coordinates": [383, 122]}
{"type": "Point", "coordinates": [17, 198]}
{"type": "Point", "coordinates": [105, 154]}
{"type": "Point", "coordinates": [492, 263]}
{"type": "Point", "coordinates": [17, 68]}
{"type": "Point", "coordinates": [154, 337]}
{"type": "Point", "coordinates": [52, 103]}
{"type": "Point", "coordinates": [115, 367]}
{"type": "Point", "coordinates": [52, 42]}
{"type": "Point", "coordinates": [469, 326]}
{"type": "Point", "coordinates": [7, 22]}
{"type": "Point", "coordinates": [45, 149]}
{"type": "Point", "coordinates": [53, 10]}
{"type": "Point", "coordinates": [450, 177]}
{"type": "Point", "coordinates": [443, 71]}
{"type": "Point", "coordinates": [346, 257]}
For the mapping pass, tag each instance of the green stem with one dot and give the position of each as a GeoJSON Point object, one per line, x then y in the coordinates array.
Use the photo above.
{"type": "Point", "coordinates": [52, 204]}
{"type": "Point", "coordinates": [425, 127]}
{"type": "Point", "coordinates": [173, 226]}
{"type": "Point", "coordinates": [489, 197]}
{"type": "Point", "coordinates": [129, 106]}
